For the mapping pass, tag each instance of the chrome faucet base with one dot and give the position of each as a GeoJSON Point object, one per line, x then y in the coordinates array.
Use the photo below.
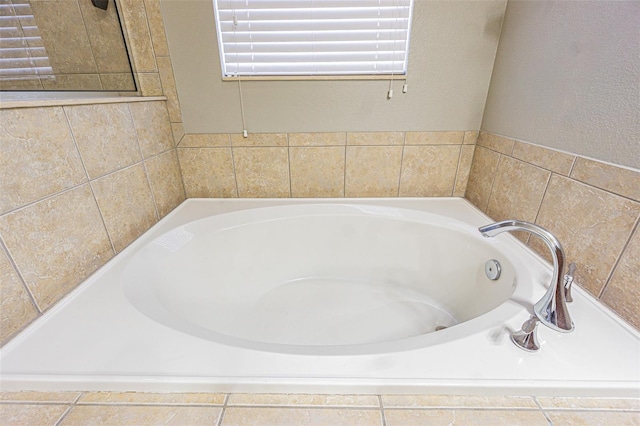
{"type": "Point", "coordinates": [526, 338]}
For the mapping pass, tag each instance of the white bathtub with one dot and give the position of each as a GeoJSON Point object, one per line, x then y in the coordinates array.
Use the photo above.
{"type": "Point", "coordinates": [338, 296]}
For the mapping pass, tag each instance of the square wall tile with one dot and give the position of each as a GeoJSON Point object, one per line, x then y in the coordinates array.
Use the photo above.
{"type": "Point", "coordinates": [82, 415]}
{"type": "Point", "coordinates": [205, 140]}
{"type": "Point", "coordinates": [139, 38]}
{"type": "Point", "coordinates": [37, 156]}
{"type": "Point", "coordinates": [592, 225]}
{"type": "Point", "coordinates": [153, 128]}
{"type": "Point", "coordinates": [262, 172]}
{"type": "Point", "coordinates": [208, 172]}
{"type": "Point", "coordinates": [375, 138]}
{"type": "Point", "coordinates": [497, 143]}
{"type": "Point", "coordinates": [517, 190]}
{"type": "Point", "coordinates": [106, 137]}
{"type": "Point", "coordinates": [317, 139]}
{"type": "Point", "coordinates": [555, 161]}
{"type": "Point", "coordinates": [429, 171]}
{"type": "Point", "coordinates": [166, 181]}
{"type": "Point", "coordinates": [373, 171]}
{"type": "Point", "coordinates": [619, 180]}
{"type": "Point", "coordinates": [259, 139]}
{"type": "Point", "coordinates": [16, 307]}
{"type": "Point", "coordinates": [470, 137]}
{"type": "Point", "coordinates": [623, 290]}
{"type": "Point", "coordinates": [434, 138]}
{"type": "Point", "coordinates": [464, 168]}
{"type": "Point", "coordinates": [481, 177]}
{"type": "Point", "coordinates": [317, 171]}
{"type": "Point", "coordinates": [31, 414]}
{"type": "Point", "coordinates": [126, 204]}
{"type": "Point", "coordinates": [301, 416]}
{"type": "Point", "coordinates": [56, 243]}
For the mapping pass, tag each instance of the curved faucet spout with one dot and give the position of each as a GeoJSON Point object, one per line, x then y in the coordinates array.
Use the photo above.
{"type": "Point", "coordinates": [551, 309]}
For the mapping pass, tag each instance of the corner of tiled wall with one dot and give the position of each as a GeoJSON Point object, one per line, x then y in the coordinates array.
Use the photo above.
{"type": "Point", "coordinates": [81, 182]}
{"type": "Point", "coordinates": [592, 207]}
{"type": "Point", "coordinates": [338, 164]}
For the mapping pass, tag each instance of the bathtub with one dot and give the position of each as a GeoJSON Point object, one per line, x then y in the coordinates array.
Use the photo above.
{"type": "Point", "coordinates": [321, 296]}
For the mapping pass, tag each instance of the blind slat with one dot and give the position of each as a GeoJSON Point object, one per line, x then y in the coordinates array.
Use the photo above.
{"type": "Point", "coordinates": [313, 37]}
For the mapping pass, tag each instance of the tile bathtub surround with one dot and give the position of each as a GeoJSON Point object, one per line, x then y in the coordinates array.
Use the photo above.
{"type": "Point", "coordinates": [336, 164]}
{"type": "Point", "coordinates": [113, 408]}
{"type": "Point", "coordinates": [79, 183]}
{"type": "Point", "coordinates": [592, 207]}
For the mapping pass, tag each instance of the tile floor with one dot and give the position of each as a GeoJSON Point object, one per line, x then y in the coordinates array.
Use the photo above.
{"type": "Point", "coordinates": [113, 408]}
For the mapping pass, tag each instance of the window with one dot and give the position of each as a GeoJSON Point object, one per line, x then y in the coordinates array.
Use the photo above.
{"type": "Point", "coordinates": [267, 38]}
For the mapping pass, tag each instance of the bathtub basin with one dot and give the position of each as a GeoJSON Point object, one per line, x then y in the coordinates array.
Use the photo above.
{"type": "Point", "coordinates": [345, 296]}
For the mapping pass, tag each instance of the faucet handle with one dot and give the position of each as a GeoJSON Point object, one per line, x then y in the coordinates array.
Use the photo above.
{"type": "Point", "coordinates": [526, 338]}
{"type": "Point", "coordinates": [568, 281]}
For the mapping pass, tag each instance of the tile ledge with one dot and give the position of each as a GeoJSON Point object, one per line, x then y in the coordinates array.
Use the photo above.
{"type": "Point", "coordinates": [77, 101]}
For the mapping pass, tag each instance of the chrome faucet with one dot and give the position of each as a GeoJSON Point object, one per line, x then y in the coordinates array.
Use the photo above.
{"type": "Point", "coordinates": [551, 310]}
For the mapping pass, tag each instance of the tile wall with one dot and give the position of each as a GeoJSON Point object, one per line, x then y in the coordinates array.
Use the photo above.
{"type": "Point", "coordinates": [346, 164]}
{"type": "Point", "coordinates": [592, 207]}
{"type": "Point", "coordinates": [109, 408]}
{"type": "Point", "coordinates": [80, 182]}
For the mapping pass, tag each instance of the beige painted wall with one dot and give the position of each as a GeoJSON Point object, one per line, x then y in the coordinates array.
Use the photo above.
{"type": "Point", "coordinates": [452, 52]}
{"type": "Point", "coordinates": [567, 76]}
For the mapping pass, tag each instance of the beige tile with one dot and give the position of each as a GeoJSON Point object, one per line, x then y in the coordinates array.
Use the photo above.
{"type": "Point", "coordinates": [167, 79]}
{"type": "Point", "coordinates": [16, 306]}
{"type": "Point", "coordinates": [556, 161]}
{"type": "Point", "coordinates": [497, 143]}
{"type": "Point", "coordinates": [470, 137]}
{"type": "Point", "coordinates": [458, 401]}
{"type": "Point", "coordinates": [56, 243]}
{"type": "Point", "coordinates": [590, 403]}
{"type": "Point", "coordinates": [317, 139]}
{"type": "Point", "coordinates": [304, 400]}
{"type": "Point", "coordinates": [205, 140]}
{"type": "Point", "coordinates": [517, 190]}
{"type": "Point", "coordinates": [207, 172]}
{"type": "Point", "coordinates": [317, 171]}
{"type": "Point", "coordinates": [156, 26]}
{"type": "Point", "coordinates": [151, 122]}
{"type": "Point", "coordinates": [594, 418]}
{"type": "Point", "coordinates": [373, 171]}
{"type": "Point", "coordinates": [37, 155]}
{"type": "Point", "coordinates": [259, 139]}
{"type": "Point", "coordinates": [481, 176]}
{"type": "Point", "coordinates": [375, 138]}
{"type": "Point", "coordinates": [72, 82]}
{"type": "Point", "coordinates": [434, 138]}
{"type": "Point", "coordinates": [140, 398]}
{"type": "Point", "coordinates": [64, 36]}
{"type": "Point", "coordinates": [464, 168]}
{"type": "Point", "coordinates": [300, 416]}
{"type": "Point", "coordinates": [126, 204]}
{"type": "Point", "coordinates": [166, 181]}
{"type": "Point", "coordinates": [121, 82]}
{"type": "Point", "coordinates": [625, 182]}
{"type": "Point", "coordinates": [464, 417]}
{"type": "Point", "coordinates": [106, 137]}
{"type": "Point", "coordinates": [149, 84]}
{"type": "Point", "coordinates": [27, 414]}
{"type": "Point", "coordinates": [82, 415]}
{"type": "Point", "coordinates": [139, 38]}
{"type": "Point", "coordinates": [592, 225]}
{"type": "Point", "coordinates": [105, 37]}
{"type": "Point", "coordinates": [40, 397]}
{"type": "Point", "coordinates": [262, 172]}
{"type": "Point", "coordinates": [428, 171]}
{"type": "Point", "coordinates": [623, 290]}
{"type": "Point", "coordinates": [178, 132]}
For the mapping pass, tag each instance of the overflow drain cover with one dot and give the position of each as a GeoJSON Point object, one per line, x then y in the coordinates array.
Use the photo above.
{"type": "Point", "coordinates": [492, 269]}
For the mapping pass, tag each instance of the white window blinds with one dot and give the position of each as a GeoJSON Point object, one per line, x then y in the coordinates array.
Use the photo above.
{"type": "Point", "coordinates": [313, 37]}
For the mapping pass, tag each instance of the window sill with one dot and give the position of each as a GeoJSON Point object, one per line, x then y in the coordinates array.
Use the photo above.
{"type": "Point", "coordinates": [21, 99]}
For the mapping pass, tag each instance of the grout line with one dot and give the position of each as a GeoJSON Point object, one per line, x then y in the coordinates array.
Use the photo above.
{"type": "Point", "coordinates": [184, 188]}
{"type": "Point", "coordinates": [235, 175]}
{"type": "Point", "coordinates": [289, 167]}
{"type": "Point", "coordinates": [493, 181]}
{"type": "Point", "coordinates": [401, 163]}
{"type": "Point", "coordinates": [455, 177]}
{"type": "Point", "coordinates": [635, 228]}
{"type": "Point", "coordinates": [344, 173]}
{"type": "Point", "coordinates": [23, 281]}
{"type": "Point", "coordinates": [382, 414]}
{"type": "Point", "coordinates": [64, 415]}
